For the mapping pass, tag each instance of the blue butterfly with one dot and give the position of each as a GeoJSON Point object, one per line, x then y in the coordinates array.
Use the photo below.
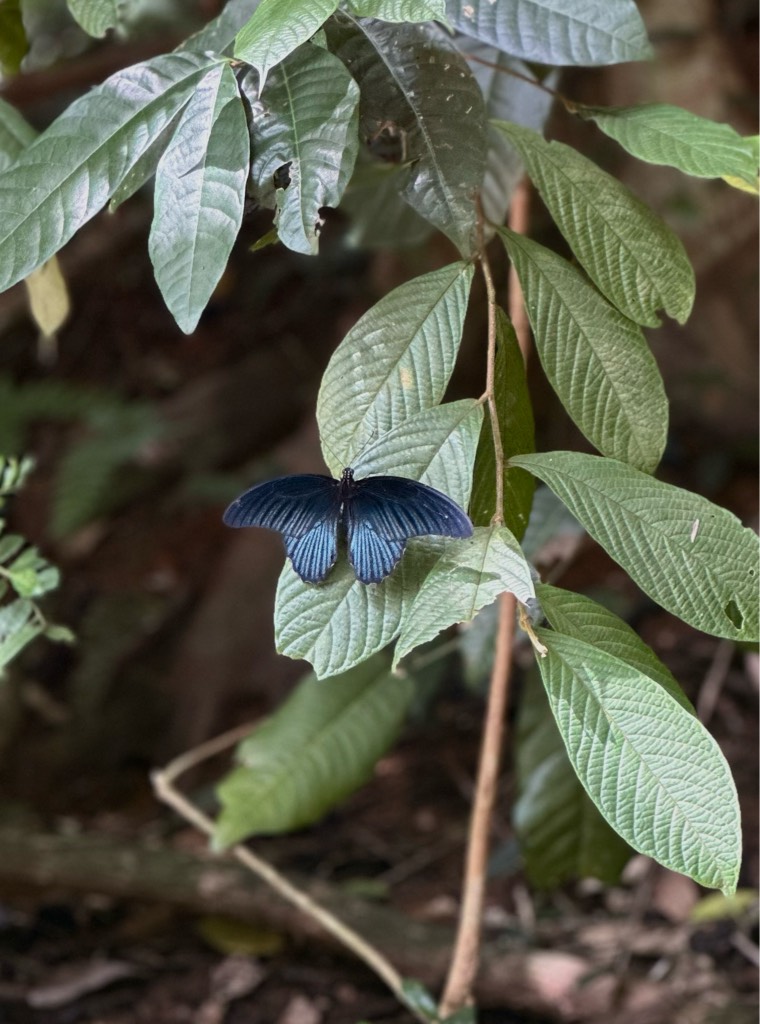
{"type": "Point", "coordinates": [379, 514]}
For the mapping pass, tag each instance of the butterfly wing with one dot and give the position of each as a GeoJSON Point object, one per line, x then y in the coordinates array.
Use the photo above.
{"type": "Point", "coordinates": [306, 509]}
{"type": "Point", "coordinates": [313, 555]}
{"type": "Point", "coordinates": [383, 512]}
{"type": "Point", "coordinates": [372, 556]}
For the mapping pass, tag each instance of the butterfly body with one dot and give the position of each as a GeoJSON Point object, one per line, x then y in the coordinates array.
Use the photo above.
{"type": "Point", "coordinates": [378, 514]}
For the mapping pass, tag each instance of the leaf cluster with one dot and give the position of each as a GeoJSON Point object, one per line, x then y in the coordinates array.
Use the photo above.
{"type": "Point", "coordinates": [24, 576]}
{"type": "Point", "coordinates": [374, 106]}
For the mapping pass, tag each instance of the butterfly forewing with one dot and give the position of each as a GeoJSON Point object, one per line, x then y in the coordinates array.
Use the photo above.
{"type": "Point", "coordinates": [291, 504]}
{"type": "Point", "coordinates": [398, 508]}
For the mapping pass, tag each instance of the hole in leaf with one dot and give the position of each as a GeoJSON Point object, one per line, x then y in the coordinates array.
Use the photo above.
{"type": "Point", "coordinates": [281, 177]}
{"type": "Point", "coordinates": [733, 612]}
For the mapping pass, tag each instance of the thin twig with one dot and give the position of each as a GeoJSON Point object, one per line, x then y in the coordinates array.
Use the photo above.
{"type": "Point", "coordinates": [464, 964]}
{"type": "Point", "coordinates": [166, 791]}
{"type": "Point", "coordinates": [515, 74]}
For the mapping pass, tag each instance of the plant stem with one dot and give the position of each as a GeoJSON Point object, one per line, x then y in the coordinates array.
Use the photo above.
{"type": "Point", "coordinates": [166, 791]}
{"type": "Point", "coordinates": [464, 964]}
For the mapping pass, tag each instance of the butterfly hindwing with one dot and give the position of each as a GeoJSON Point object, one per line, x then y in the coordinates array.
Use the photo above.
{"type": "Point", "coordinates": [314, 553]}
{"type": "Point", "coordinates": [372, 556]}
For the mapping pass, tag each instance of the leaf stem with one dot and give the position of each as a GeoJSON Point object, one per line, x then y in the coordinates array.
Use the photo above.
{"type": "Point", "coordinates": [517, 74]}
{"type": "Point", "coordinates": [464, 964]}
{"type": "Point", "coordinates": [165, 789]}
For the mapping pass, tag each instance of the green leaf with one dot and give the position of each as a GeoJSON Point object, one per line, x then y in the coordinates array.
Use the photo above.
{"type": "Point", "coordinates": [663, 134]}
{"type": "Point", "coordinates": [13, 42]}
{"type": "Point", "coordinates": [507, 98]}
{"type": "Point", "coordinates": [562, 835]}
{"type": "Point", "coordinates": [630, 254]}
{"type": "Point", "coordinates": [691, 556]}
{"type": "Point", "coordinates": [469, 575]}
{"type": "Point", "coordinates": [651, 768]}
{"type": "Point", "coordinates": [418, 90]}
{"type": "Point", "coordinates": [145, 167]}
{"type": "Point", "coordinates": [200, 193]}
{"type": "Point", "coordinates": [18, 627]}
{"type": "Point", "coordinates": [515, 415]}
{"type": "Point", "coordinates": [341, 623]}
{"type": "Point", "coordinates": [10, 544]}
{"type": "Point", "coordinates": [96, 16]}
{"type": "Point", "coordinates": [556, 31]}
{"type": "Point", "coordinates": [59, 634]}
{"type": "Point", "coordinates": [277, 29]}
{"type": "Point", "coordinates": [13, 474]}
{"type": "Point", "coordinates": [401, 10]}
{"type": "Point", "coordinates": [395, 362]}
{"type": "Point", "coordinates": [15, 134]}
{"type": "Point", "coordinates": [318, 747]}
{"type": "Point", "coordinates": [65, 176]}
{"type": "Point", "coordinates": [596, 359]}
{"type": "Point", "coordinates": [305, 124]}
{"type": "Point", "coordinates": [580, 617]}
{"type": "Point", "coordinates": [30, 574]}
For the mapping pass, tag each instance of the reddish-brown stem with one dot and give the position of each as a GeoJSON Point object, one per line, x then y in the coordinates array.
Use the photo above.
{"type": "Point", "coordinates": [464, 964]}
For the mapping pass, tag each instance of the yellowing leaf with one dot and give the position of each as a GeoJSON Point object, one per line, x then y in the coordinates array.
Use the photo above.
{"type": "Point", "coordinates": [48, 297]}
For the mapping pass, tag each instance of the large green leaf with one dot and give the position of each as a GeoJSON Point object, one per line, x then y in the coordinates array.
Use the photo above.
{"type": "Point", "coordinates": [469, 575]}
{"type": "Point", "coordinates": [318, 747]}
{"type": "Point", "coordinates": [515, 415]}
{"type": "Point", "coordinates": [596, 359]}
{"type": "Point", "coordinates": [342, 622]}
{"type": "Point", "coordinates": [417, 89]}
{"type": "Point", "coordinates": [693, 557]}
{"type": "Point", "coordinates": [200, 193]}
{"type": "Point", "coordinates": [561, 832]}
{"type": "Point", "coordinates": [96, 16]}
{"type": "Point", "coordinates": [580, 617]}
{"type": "Point", "coordinates": [400, 10]}
{"type": "Point", "coordinates": [276, 29]}
{"type": "Point", "coordinates": [15, 134]}
{"type": "Point", "coordinates": [67, 174]}
{"type": "Point", "coordinates": [630, 254]}
{"type": "Point", "coordinates": [396, 361]}
{"type": "Point", "coordinates": [306, 125]}
{"type": "Point", "coordinates": [651, 768]}
{"type": "Point", "coordinates": [507, 98]}
{"type": "Point", "coordinates": [663, 134]}
{"type": "Point", "coordinates": [590, 33]}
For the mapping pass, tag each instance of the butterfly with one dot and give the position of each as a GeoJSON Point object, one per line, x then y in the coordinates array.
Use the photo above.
{"type": "Point", "coordinates": [378, 514]}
